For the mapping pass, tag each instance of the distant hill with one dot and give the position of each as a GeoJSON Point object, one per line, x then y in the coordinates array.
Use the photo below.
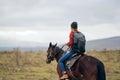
{"type": "Point", "coordinates": [100, 44]}
{"type": "Point", "coordinates": [38, 48]}
{"type": "Point", "coordinates": [107, 43]}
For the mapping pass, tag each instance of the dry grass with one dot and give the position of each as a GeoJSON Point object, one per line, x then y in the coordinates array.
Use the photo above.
{"type": "Point", "coordinates": [111, 60]}
{"type": "Point", "coordinates": [32, 65]}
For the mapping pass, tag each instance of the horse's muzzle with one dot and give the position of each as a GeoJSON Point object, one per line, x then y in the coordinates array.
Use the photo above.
{"type": "Point", "coordinates": [48, 61]}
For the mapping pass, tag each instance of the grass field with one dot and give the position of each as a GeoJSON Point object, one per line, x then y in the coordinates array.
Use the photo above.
{"type": "Point", "coordinates": [16, 65]}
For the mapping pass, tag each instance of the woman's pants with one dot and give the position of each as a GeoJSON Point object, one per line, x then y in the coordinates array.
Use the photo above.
{"type": "Point", "coordinates": [63, 59]}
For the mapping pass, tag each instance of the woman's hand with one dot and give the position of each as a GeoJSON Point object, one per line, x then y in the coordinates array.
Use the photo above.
{"type": "Point", "coordinates": [65, 45]}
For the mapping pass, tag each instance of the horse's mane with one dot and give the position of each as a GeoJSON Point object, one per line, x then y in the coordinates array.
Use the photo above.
{"type": "Point", "coordinates": [59, 50]}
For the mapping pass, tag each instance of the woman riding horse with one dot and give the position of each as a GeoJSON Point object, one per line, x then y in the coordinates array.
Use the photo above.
{"type": "Point", "coordinates": [74, 29]}
{"type": "Point", "coordinates": [85, 68]}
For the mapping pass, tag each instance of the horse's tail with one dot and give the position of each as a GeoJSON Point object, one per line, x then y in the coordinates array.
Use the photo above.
{"type": "Point", "coordinates": [101, 71]}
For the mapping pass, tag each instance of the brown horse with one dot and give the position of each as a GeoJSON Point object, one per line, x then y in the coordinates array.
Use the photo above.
{"type": "Point", "coordinates": [86, 67]}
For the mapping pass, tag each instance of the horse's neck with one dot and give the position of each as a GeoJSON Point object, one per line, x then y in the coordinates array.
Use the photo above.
{"type": "Point", "coordinates": [59, 53]}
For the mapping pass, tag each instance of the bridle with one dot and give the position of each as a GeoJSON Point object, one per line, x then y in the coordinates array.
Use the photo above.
{"type": "Point", "coordinates": [54, 52]}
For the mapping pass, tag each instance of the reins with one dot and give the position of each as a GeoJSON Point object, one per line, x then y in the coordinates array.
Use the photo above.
{"type": "Point", "coordinates": [57, 52]}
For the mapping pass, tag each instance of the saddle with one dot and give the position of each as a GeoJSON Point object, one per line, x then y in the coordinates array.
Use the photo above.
{"type": "Point", "coordinates": [72, 60]}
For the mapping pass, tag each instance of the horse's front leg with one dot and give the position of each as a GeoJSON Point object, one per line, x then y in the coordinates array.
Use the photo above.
{"type": "Point", "coordinates": [59, 71]}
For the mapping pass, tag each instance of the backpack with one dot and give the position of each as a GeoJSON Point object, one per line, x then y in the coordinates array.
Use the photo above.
{"type": "Point", "coordinates": [79, 42]}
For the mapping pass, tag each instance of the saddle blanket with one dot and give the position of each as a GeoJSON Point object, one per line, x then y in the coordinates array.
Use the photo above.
{"type": "Point", "coordinates": [70, 62]}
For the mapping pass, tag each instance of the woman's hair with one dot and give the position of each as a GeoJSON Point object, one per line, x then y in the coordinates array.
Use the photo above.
{"type": "Point", "coordinates": [74, 25]}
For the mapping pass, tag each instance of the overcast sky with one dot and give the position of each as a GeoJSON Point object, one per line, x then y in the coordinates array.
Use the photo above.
{"type": "Point", "coordinates": [23, 22]}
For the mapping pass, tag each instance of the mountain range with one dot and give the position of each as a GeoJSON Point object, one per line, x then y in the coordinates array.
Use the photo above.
{"type": "Point", "coordinates": [101, 44]}
{"type": "Point", "coordinates": [112, 43]}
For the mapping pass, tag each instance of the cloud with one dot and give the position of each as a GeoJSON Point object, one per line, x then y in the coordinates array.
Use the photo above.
{"type": "Point", "coordinates": [53, 13]}
{"type": "Point", "coordinates": [44, 21]}
{"type": "Point", "coordinates": [32, 38]}
{"type": "Point", "coordinates": [100, 31]}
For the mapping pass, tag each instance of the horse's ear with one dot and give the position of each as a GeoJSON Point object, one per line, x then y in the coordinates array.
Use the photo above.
{"type": "Point", "coordinates": [55, 44]}
{"type": "Point", "coordinates": [50, 44]}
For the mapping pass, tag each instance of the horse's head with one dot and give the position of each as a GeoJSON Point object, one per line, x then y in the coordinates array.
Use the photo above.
{"type": "Point", "coordinates": [51, 53]}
